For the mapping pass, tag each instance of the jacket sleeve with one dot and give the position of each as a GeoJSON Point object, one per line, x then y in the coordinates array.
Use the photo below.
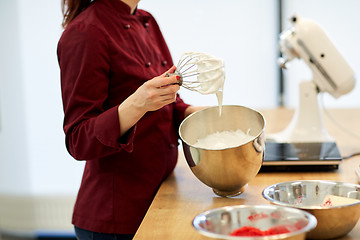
{"type": "Point", "coordinates": [91, 131]}
{"type": "Point", "coordinates": [179, 110]}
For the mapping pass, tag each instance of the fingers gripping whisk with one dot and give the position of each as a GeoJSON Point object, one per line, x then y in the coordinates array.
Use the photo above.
{"type": "Point", "coordinates": [200, 72]}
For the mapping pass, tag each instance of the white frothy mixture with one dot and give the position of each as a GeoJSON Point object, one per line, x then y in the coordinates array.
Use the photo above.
{"type": "Point", "coordinates": [224, 139]}
{"type": "Point", "coordinates": [211, 75]}
{"type": "Point", "coordinates": [219, 96]}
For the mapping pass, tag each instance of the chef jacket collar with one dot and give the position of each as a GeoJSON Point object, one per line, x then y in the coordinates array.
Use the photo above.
{"type": "Point", "coordinates": [120, 6]}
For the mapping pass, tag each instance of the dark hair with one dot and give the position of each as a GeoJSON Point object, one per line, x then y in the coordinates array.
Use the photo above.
{"type": "Point", "coordinates": [71, 8]}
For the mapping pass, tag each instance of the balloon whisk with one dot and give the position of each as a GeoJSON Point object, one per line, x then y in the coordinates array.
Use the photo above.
{"type": "Point", "coordinates": [200, 72]}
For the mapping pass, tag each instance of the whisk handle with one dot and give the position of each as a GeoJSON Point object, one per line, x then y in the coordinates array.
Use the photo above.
{"type": "Point", "coordinates": [180, 81]}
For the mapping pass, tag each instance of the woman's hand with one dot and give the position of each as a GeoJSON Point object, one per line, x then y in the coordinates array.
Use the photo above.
{"type": "Point", "coordinates": [157, 92]}
{"type": "Point", "coordinates": [151, 96]}
{"type": "Point", "coordinates": [191, 109]}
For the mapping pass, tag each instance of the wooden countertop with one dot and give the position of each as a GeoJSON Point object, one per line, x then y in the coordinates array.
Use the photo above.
{"type": "Point", "coordinates": [182, 196]}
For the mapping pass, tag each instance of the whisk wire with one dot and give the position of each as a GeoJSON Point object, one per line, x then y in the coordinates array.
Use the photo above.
{"type": "Point", "coordinates": [190, 75]}
{"type": "Point", "coordinates": [188, 69]}
{"type": "Point", "coordinates": [181, 65]}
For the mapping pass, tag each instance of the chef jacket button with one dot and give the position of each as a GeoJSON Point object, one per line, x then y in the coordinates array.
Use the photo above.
{"type": "Point", "coordinates": [146, 24]}
{"type": "Point", "coordinates": [127, 26]}
{"type": "Point", "coordinates": [164, 63]}
{"type": "Point", "coordinates": [148, 64]}
{"type": "Point", "coordinates": [172, 145]}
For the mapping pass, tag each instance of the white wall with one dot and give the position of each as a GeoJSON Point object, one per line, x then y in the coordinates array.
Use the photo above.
{"type": "Point", "coordinates": [52, 169]}
{"type": "Point", "coordinates": [241, 32]}
{"type": "Point", "coordinates": [14, 174]}
{"type": "Point", "coordinates": [38, 178]}
{"type": "Point", "coordinates": [33, 157]}
{"type": "Point", "coordinates": [341, 21]}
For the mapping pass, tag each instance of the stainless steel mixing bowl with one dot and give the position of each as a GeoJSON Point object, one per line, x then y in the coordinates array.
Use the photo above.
{"type": "Point", "coordinates": [227, 170]}
{"type": "Point", "coordinates": [219, 223]}
{"type": "Point", "coordinates": [333, 221]}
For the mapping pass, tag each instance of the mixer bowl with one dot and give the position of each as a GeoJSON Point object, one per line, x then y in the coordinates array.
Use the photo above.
{"type": "Point", "coordinates": [219, 223]}
{"type": "Point", "coordinates": [333, 221]}
{"type": "Point", "coordinates": [227, 171]}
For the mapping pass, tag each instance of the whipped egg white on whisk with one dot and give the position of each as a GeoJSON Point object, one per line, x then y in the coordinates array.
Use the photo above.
{"type": "Point", "coordinates": [208, 70]}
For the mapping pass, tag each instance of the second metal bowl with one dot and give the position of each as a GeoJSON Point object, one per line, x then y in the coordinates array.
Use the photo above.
{"type": "Point", "coordinates": [333, 221]}
{"type": "Point", "coordinates": [219, 223]}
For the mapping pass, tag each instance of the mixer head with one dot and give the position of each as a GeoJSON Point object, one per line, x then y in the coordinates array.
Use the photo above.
{"type": "Point", "coordinates": [200, 72]}
{"type": "Point", "coordinates": [306, 40]}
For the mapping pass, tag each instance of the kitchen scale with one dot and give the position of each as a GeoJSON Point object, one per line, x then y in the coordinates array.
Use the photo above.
{"type": "Point", "coordinates": [305, 144]}
{"type": "Point", "coordinates": [316, 156]}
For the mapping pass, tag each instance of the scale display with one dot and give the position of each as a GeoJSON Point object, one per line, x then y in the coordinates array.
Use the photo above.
{"type": "Point", "coordinates": [301, 156]}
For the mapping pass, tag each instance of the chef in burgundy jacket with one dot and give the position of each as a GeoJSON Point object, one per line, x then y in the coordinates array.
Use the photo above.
{"type": "Point", "coordinates": [121, 111]}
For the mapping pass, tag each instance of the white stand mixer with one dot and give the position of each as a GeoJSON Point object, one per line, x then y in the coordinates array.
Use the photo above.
{"type": "Point", "coordinates": [307, 41]}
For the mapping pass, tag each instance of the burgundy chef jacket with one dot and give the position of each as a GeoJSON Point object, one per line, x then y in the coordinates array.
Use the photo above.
{"type": "Point", "coordinates": [105, 54]}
